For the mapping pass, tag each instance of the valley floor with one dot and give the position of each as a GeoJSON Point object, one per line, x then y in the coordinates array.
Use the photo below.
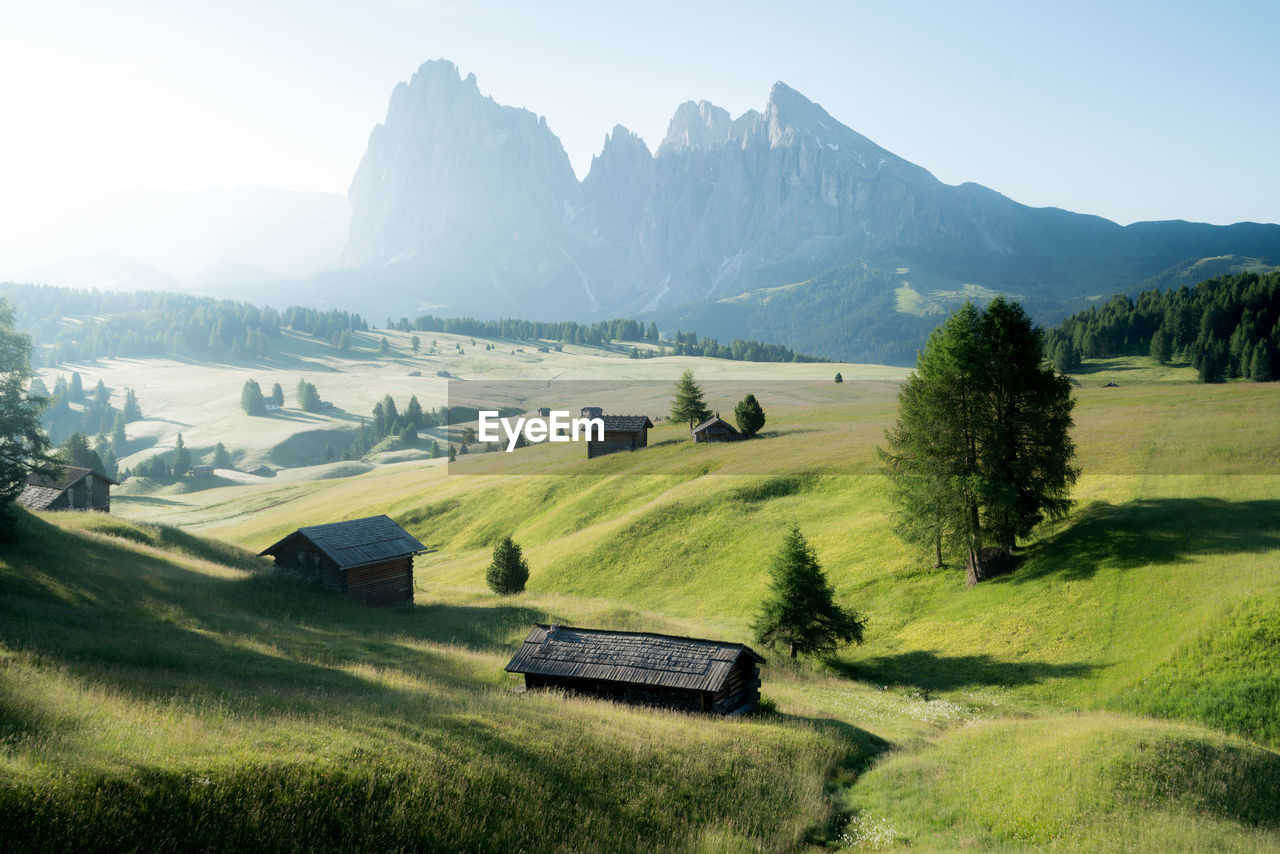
{"type": "Point", "coordinates": [162, 688]}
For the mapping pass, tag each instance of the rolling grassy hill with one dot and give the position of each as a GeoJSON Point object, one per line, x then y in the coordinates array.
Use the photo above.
{"type": "Point", "coordinates": [1120, 690]}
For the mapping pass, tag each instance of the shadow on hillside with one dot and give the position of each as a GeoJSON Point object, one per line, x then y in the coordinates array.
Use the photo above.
{"type": "Point", "coordinates": [1098, 366]}
{"type": "Point", "coordinates": [934, 672]}
{"type": "Point", "coordinates": [1158, 530]}
{"type": "Point", "coordinates": [109, 614]}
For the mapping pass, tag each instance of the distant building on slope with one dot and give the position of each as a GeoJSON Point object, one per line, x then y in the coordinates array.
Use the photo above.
{"type": "Point", "coordinates": [621, 433]}
{"type": "Point", "coordinates": [370, 559]}
{"type": "Point", "coordinates": [691, 674]}
{"type": "Point", "coordinates": [68, 488]}
{"type": "Point", "coordinates": [716, 429]}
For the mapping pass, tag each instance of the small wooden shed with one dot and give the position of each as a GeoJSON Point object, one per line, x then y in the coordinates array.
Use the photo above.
{"type": "Point", "coordinates": [67, 488]}
{"type": "Point", "coordinates": [366, 559]}
{"type": "Point", "coordinates": [692, 674]}
{"type": "Point", "coordinates": [716, 429]}
{"type": "Point", "coordinates": [621, 433]}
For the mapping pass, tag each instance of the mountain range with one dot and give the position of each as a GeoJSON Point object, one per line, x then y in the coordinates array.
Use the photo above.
{"type": "Point", "coordinates": [469, 206]}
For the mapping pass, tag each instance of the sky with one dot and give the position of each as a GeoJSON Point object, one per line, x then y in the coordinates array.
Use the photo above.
{"type": "Point", "coordinates": [1133, 111]}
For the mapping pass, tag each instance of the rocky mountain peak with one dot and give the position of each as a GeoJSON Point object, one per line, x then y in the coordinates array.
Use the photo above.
{"type": "Point", "coordinates": [697, 126]}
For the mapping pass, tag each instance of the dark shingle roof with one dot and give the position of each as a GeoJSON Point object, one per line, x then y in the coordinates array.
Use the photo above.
{"type": "Point", "coordinates": [711, 422]}
{"type": "Point", "coordinates": [626, 423]}
{"type": "Point", "coordinates": [635, 657]}
{"type": "Point", "coordinates": [43, 488]}
{"type": "Point", "coordinates": [357, 542]}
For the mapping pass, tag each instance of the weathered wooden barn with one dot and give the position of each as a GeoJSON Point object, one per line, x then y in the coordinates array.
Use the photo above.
{"type": "Point", "coordinates": [621, 433]}
{"type": "Point", "coordinates": [67, 488]}
{"type": "Point", "coordinates": [716, 429]}
{"type": "Point", "coordinates": [366, 559]}
{"type": "Point", "coordinates": [638, 667]}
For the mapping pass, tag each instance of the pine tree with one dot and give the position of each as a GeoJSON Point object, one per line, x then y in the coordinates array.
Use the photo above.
{"type": "Point", "coordinates": [800, 612]}
{"type": "Point", "coordinates": [132, 411]}
{"type": "Point", "coordinates": [76, 392]}
{"type": "Point", "coordinates": [435, 449]}
{"type": "Point", "coordinates": [688, 404]}
{"type": "Point", "coordinates": [251, 399]}
{"type": "Point", "coordinates": [1260, 366]}
{"type": "Point", "coordinates": [749, 416]}
{"type": "Point", "coordinates": [101, 396]}
{"type": "Point", "coordinates": [509, 570]}
{"type": "Point", "coordinates": [839, 378]}
{"type": "Point", "coordinates": [384, 346]}
{"type": "Point", "coordinates": [277, 394]}
{"type": "Point", "coordinates": [416, 343]}
{"type": "Point", "coordinates": [413, 413]}
{"type": "Point", "coordinates": [453, 454]}
{"type": "Point", "coordinates": [118, 438]}
{"type": "Point", "coordinates": [221, 457]}
{"type": "Point", "coordinates": [306, 396]}
{"type": "Point", "coordinates": [181, 459]}
{"type": "Point", "coordinates": [981, 451]}
{"type": "Point", "coordinates": [75, 451]}
{"type": "Point", "coordinates": [1160, 350]}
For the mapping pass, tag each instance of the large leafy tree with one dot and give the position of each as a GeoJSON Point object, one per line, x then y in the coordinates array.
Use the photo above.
{"type": "Point", "coordinates": [688, 404]}
{"type": "Point", "coordinates": [801, 612]}
{"type": "Point", "coordinates": [749, 415]}
{"type": "Point", "coordinates": [23, 444]}
{"type": "Point", "coordinates": [981, 451]}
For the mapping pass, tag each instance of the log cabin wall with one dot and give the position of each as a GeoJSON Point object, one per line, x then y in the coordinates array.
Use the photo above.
{"type": "Point", "coordinates": [382, 584]}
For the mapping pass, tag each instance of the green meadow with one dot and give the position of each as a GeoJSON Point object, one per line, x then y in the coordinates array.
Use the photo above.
{"type": "Point", "coordinates": [163, 689]}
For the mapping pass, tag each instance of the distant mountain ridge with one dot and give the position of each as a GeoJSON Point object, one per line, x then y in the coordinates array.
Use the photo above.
{"type": "Point", "coordinates": [468, 206]}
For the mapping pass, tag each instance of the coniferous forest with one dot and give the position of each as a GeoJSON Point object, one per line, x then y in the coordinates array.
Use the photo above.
{"type": "Point", "coordinates": [1226, 327]}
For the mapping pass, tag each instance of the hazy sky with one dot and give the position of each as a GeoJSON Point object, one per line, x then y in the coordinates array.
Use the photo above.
{"type": "Point", "coordinates": [1129, 110]}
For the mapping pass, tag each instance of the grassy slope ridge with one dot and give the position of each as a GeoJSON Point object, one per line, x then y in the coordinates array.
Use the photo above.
{"type": "Point", "coordinates": [157, 697]}
{"type": "Point", "coordinates": [1012, 710]}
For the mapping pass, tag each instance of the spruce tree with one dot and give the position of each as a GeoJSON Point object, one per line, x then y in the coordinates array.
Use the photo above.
{"type": "Point", "coordinates": [75, 451]}
{"type": "Point", "coordinates": [839, 378]}
{"type": "Point", "coordinates": [251, 399]}
{"type": "Point", "coordinates": [688, 404]}
{"type": "Point", "coordinates": [181, 459]}
{"type": "Point", "coordinates": [1260, 365]}
{"type": "Point", "coordinates": [413, 413]}
{"type": "Point", "coordinates": [801, 613]}
{"type": "Point", "coordinates": [132, 411]}
{"type": "Point", "coordinates": [509, 570]}
{"type": "Point", "coordinates": [221, 457]}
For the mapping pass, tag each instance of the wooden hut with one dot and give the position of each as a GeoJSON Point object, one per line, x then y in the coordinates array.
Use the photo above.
{"type": "Point", "coordinates": [67, 488]}
{"type": "Point", "coordinates": [366, 559]}
{"type": "Point", "coordinates": [716, 429]}
{"type": "Point", "coordinates": [691, 674]}
{"type": "Point", "coordinates": [621, 433]}
{"type": "Point", "coordinates": [591, 412]}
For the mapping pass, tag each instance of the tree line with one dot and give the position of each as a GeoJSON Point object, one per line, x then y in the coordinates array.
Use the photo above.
{"type": "Point", "coordinates": [605, 332]}
{"type": "Point", "coordinates": [1226, 327]}
{"type": "Point", "coordinates": [151, 324]}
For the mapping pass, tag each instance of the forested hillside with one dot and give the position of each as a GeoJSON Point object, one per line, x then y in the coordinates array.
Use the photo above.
{"type": "Point", "coordinates": [1226, 327]}
{"type": "Point", "coordinates": [72, 325]}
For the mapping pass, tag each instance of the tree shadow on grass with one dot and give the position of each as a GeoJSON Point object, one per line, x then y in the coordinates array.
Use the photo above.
{"type": "Point", "coordinates": [934, 672]}
{"type": "Point", "coordinates": [1151, 531]}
